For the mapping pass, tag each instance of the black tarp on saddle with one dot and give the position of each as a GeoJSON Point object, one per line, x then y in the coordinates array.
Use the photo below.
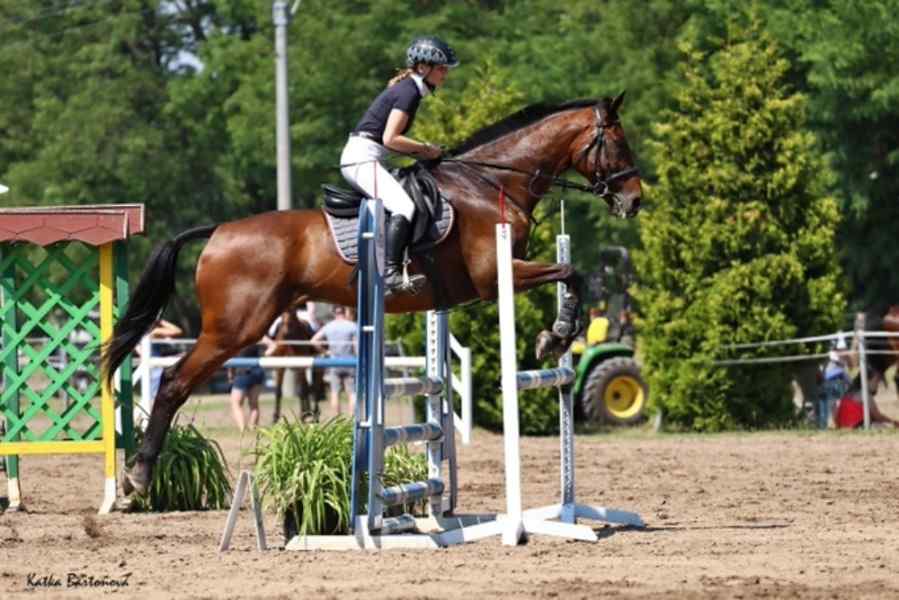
{"type": "Point", "coordinates": [433, 214]}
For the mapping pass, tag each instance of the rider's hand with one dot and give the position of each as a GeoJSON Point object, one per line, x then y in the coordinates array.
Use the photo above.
{"type": "Point", "coordinates": [431, 152]}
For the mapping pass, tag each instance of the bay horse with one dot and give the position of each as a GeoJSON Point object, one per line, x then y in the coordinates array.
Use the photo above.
{"type": "Point", "coordinates": [294, 329]}
{"type": "Point", "coordinates": [254, 268]}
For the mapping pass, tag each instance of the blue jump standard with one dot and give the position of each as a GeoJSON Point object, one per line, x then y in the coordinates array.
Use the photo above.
{"type": "Point", "coordinates": [317, 363]}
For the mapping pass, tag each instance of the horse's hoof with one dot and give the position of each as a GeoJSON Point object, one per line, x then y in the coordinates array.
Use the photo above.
{"type": "Point", "coordinates": [136, 480]}
{"type": "Point", "coordinates": [544, 345]}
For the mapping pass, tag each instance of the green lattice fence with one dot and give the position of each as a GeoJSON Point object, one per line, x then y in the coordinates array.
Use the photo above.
{"type": "Point", "coordinates": [51, 331]}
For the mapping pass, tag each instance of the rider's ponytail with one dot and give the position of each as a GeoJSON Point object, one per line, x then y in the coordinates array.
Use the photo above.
{"type": "Point", "coordinates": [400, 76]}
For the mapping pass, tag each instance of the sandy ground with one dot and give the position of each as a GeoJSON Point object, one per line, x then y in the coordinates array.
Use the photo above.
{"type": "Point", "coordinates": [766, 515]}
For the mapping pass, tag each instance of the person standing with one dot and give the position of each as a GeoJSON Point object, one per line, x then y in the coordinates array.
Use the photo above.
{"type": "Point", "coordinates": [598, 330]}
{"type": "Point", "coordinates": [339, 335]}
{"type": "Point", "coordinates": [161, 330]}
{"type": "Point", "coordinates": [383, 129]}
{"type": "Point", "coordinates": [835, 382]}
{"type": "Point", "coordinates": [246, 384]}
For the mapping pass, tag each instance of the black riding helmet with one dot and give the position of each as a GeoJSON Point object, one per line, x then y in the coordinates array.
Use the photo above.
{"type": "Point", "coordinates": [431, 50]}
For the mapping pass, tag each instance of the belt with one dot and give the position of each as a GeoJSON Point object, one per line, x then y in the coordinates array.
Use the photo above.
{"type": "Point", "coordinates": [367, 135]}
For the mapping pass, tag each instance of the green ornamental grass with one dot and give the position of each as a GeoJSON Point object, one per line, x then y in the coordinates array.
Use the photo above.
{"type": "Point", "coordinates": [191, 474]}
{"type": "Point", "coordinates": [304, 472]}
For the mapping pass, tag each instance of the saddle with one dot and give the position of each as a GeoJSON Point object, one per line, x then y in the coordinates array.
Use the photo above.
{"type": "Point", "coordinates": [431, 224]}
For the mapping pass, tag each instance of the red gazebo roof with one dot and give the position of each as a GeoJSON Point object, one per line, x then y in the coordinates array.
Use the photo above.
{"type": "Point", "coordinates": [93, 224]}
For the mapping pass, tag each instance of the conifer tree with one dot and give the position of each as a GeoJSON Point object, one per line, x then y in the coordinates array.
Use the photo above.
{"type": "Point", "coordinates": [738, 243]}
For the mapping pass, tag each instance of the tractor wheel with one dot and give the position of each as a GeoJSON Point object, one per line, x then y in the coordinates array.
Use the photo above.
{"type": "Point", "coordinates": [615, 392]}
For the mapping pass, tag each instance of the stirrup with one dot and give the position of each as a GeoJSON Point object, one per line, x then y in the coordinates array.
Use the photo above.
{"type": "Point", "coordinates": [407, 285]}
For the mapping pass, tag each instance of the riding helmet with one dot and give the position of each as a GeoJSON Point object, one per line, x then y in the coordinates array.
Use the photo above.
{"type": "Point", "coordinates": [431, 50]}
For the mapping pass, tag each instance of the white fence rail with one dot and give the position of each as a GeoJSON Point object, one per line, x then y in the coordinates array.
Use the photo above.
{"type": "Point", "coordinates": [461, 383]}
{"type": "Point", "coordinates": [859, 337]}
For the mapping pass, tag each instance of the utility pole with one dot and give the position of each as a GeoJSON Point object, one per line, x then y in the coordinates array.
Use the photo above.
{"type": "Point", "coordinates": [281, 18]}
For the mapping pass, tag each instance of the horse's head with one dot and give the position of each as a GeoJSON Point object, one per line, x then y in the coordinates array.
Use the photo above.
{"type": "Point", "coordinates": [603, 156]}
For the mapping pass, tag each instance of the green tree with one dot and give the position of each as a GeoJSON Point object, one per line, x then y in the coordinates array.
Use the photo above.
{"type": "Point", "coordinates": [739, 247]}
{"type": "Point", "coordinates": [851, 52]}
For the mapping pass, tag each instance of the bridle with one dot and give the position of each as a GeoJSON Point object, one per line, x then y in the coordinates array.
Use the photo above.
{"type": "Point", "coordinates": [601, 185]}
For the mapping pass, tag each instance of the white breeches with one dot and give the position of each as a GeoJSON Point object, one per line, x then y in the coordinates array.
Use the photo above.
{"type": "Point", "coordinates": [366, 173]}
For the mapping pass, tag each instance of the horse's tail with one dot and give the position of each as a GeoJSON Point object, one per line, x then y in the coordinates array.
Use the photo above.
{"type": "Point", "coordinates": [149, 299]}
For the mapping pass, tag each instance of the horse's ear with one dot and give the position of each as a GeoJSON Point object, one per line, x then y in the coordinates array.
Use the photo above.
{"type": "Point", "coordinates": [616, 102]}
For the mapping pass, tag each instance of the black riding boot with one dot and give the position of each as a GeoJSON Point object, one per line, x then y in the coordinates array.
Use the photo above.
{"type": "Point", "coordinates": [398, 232]}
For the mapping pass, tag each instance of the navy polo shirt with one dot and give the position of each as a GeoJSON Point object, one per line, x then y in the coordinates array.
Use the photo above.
{"type": "Point", "coordinates": [404, 95]}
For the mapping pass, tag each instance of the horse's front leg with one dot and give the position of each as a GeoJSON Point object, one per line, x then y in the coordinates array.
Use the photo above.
{"type": "Point", "coordinates": [569, 322]}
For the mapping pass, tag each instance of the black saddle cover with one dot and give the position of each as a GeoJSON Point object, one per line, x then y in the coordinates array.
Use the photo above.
{"type": "Point", "coordinates": [432, 223]}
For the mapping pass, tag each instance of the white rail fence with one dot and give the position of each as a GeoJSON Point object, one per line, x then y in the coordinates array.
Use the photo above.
{"type": "Point", "coordinates": [859, 338]}
{"type": "Point", "coordinates": [461, 383]}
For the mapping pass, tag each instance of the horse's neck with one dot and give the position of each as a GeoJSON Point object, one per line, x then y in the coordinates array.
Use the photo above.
{"type": "Point", "coordinates": [543, 148]}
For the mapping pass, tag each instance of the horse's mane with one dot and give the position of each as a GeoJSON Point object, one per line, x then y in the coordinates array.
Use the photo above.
{"type": "Point", "coordinates": [524, 117]}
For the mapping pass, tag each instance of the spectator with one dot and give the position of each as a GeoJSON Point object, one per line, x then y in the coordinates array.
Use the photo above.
{"type": "Point", "coordinates": [850, 413]}
{"type": "Point", "coordinates": [340, 336]}
{"type": "Point", "coordinates": [162, 330]}
{"type": "Point", "coordinates": [246, 385]}
{"type": "Point", "coordinates": [835, 382]}
{"type": "Point", "coordinates": [626, 331]}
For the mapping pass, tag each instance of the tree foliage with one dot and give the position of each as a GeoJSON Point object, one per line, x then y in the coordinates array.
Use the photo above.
{"type": "Point", "coordinates": [739, 246]}
{"type": "Point", "coordinates": [172, 104]}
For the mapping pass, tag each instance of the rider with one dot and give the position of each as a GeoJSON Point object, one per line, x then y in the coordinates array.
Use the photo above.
{"type": "Point", "coordinates": [382, 128]}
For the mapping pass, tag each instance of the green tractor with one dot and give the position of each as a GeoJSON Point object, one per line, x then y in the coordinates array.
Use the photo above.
{"type": "Point", "coordinates": [609, 387]}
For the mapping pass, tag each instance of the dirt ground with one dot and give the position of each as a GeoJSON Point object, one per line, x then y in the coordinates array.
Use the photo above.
{"type": "Point", "coordinates": [766, 515]}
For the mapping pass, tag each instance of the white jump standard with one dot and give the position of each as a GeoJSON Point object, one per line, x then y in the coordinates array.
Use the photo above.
{"type": "Point", "coordinates": [516, 523]}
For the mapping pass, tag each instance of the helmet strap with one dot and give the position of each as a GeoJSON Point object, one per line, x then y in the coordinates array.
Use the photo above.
{"type": "Point", "coordinates": [424, 77]}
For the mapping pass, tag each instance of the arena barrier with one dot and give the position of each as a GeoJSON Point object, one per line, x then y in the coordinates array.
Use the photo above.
{"type": "Point", "coordinates": [63, 269]}
{"type": "Point", "coordinates": [461, 384]}
{"type": "Point", "coordinates": [516, 523]}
